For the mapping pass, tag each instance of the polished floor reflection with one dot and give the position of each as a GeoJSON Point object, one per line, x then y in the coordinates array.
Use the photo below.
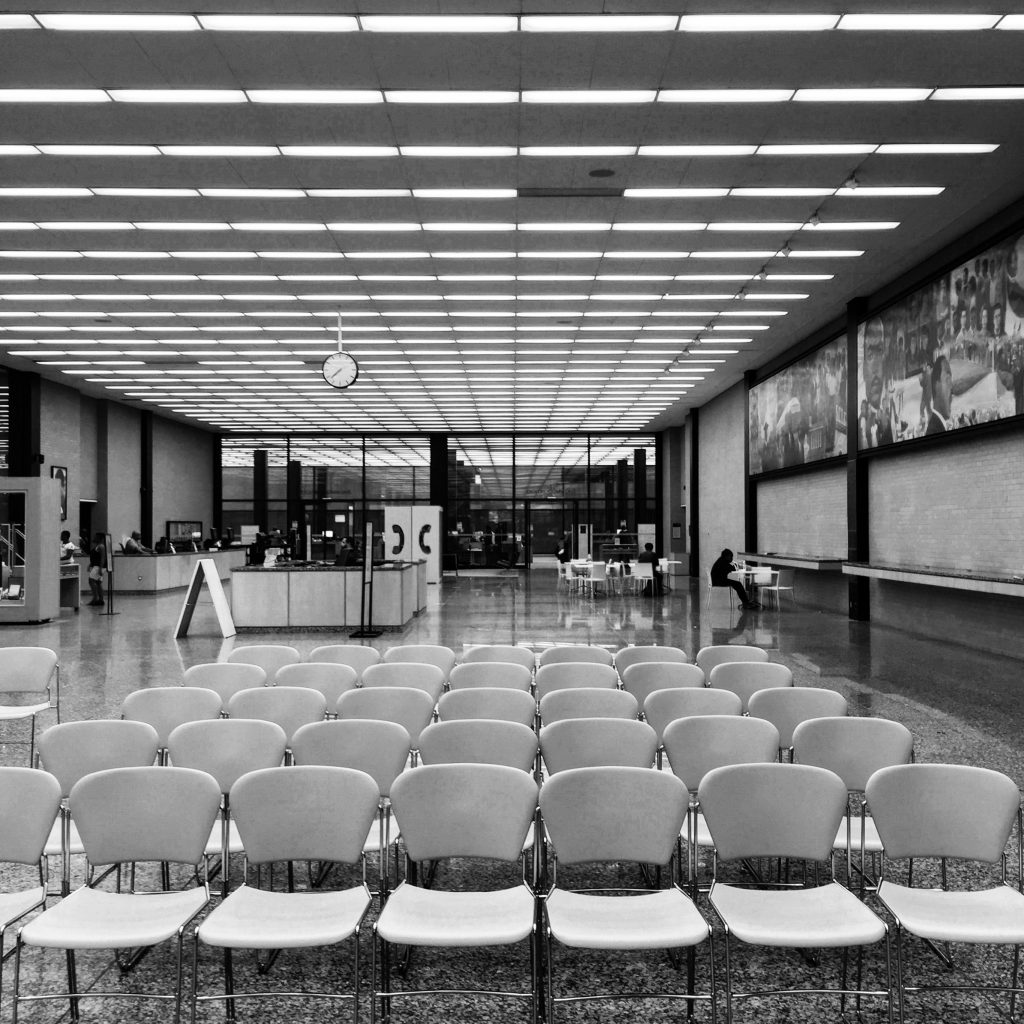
{"type": "Point", "coordinates": [961, 705]}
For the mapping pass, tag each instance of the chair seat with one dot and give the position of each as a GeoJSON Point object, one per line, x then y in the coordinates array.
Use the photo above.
{"type": "Point", "coordinates": [872, 843]}
{"type": "Point", "coordinates": [988, 916]}
{"type": "Point", "coordinates": [257, 919]}
{"type": "Point", "coordinates": [10, 712]}
{"type": "Point", "coordinates": [653, 920]}
{"type": "Point", "coordinates": [828, 916]}
{"type": "Point", "coordinates": [14, 904]}
{"type": "Point", "coordinates": [430, 917]}
{"type": "Point", "coordinates": [96, 919]}
{"type": "Point", "coordinates": [53, 847]}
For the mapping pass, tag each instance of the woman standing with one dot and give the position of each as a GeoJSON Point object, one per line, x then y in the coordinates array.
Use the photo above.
{"type": "Point", "coordinates": [97, 561]}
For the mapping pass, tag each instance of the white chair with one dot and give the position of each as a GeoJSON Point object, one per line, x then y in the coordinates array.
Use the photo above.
{"type": "Point", "coordinates": [490, 675]}
{"type": "Point", "coordinates": [479, 741]}
{"type": "Point", "coordinates": [596, 578]}
{"type": "Point", "coordinates": [745, 678]}
{"type": "Point", "coordinates": [782, 581]}
{"type": "Point", "coordinates": [575, 652]}
{"type": "Point", "coordinates": [354, 655]}
{"type": "Point", "coordinates": [787, 706]}
{"type": "Point", "coordinates": [329, 678]}
{"type": "Point", "coordinates": [312, 813]}
{"type": "Point", "coordinates": [418, 675]}
{"type": "Point", "coordinates": [646, 677]}
{"type": "Point", "coordinates": [269, 657]}
{"type": "Point", "coordinates": [597, 742]}
{"type": "Point", "coordinates": [430, 654]}
{"type": "Point", "coordinates": [949, 813]}
{"type": "Point", "coordinates": [224, 678]}
{"type": "Point", "coordinates": [662, 707]}
{"type": "Point", "coordinates": [785, 811]}
{"type": "Point", "coordinates": [291, 707]}
{"type": "Point", "coordinates": [642, 577]}
{"type": "Point", "coordinates": [29, 670]}
{"type": "Point", "coordinates": [167, 707]}
{"type": "Point", "coordinates": [410, 707]}
{"type": "Point", "coordinates": [501, 653]}
{"type": "Point", "coordinates": [568, 675]}
{"type": "Point", "coordinates": [713, 592]}
{"type": "Point", "coordinates": [495, 703]}
{"type": "Point", "coordinates": [629, 656]}
{"type": "Point", "coordinates": [587, 702]}
{"type": "Point", "coordinates": [718, 654]}
{"type": "Point", "coordinates": [128, 815]}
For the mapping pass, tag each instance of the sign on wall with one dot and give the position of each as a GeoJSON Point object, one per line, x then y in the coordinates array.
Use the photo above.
{"type": "Point", "coordinates": [948, 356]}
{"type": "Point", "coordinates": [798, 415]}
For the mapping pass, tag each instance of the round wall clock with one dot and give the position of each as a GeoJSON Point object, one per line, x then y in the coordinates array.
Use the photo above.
{"type": "Point", "coordinates": [340, 370]}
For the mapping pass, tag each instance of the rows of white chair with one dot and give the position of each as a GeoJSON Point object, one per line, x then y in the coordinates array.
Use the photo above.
{"type": "Point", "coordinates": [542, 755]}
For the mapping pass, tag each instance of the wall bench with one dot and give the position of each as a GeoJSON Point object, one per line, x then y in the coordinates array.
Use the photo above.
{"type": "Point", "coordinates": [1008, 585]}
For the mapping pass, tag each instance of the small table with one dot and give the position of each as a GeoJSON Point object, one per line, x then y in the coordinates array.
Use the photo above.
{"type": "Point", "coordinates": [746, 576]}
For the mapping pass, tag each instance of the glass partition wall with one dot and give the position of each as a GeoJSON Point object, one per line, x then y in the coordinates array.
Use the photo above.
{"type": "Point", "coordinates": [510, 498]}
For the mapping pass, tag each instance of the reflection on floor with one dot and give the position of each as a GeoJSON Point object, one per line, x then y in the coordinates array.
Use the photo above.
{"type": "Point", "coordinates": [962, 706]}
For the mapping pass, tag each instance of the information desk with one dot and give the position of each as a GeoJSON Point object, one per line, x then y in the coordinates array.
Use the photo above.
{"type": "Point", "coordinates": [70, 585]}
{"type": "Point", "coordinates": [150, 574]}
{"type": "Point", "coordinates": [325, 596]}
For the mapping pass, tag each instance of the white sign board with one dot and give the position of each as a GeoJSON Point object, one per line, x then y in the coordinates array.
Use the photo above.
{"type": "Point", "coordinates": [205, 571]}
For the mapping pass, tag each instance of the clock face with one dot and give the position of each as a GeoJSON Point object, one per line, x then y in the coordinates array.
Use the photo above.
{"type": "Point", "coordinates": [340, 370]}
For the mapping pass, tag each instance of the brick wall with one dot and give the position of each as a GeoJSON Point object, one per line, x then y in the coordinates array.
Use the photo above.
{"type": "Point", "coordinates": [720, 472]}
{"type": "Point", "coordinates": [959, 505]}
{"type": "Point", "coordinates": [803, 515]}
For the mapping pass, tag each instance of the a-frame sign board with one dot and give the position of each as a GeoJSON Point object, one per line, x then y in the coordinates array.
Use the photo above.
{"type": "Point", "coordinates": [205, 571]}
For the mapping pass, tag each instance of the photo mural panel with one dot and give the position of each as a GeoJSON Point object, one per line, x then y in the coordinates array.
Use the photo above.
{"type": "Point", "coordinates": [949, 356]}
{"type": "Point", "coordinates": [798, 415]}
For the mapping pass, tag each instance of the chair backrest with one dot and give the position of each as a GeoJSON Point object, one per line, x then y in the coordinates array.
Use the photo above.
{"type": "Point", "coordinates": [289, 706]}
{"type": "Point", "coordinates": [853, 748]}
{"type": "Point", "coordinates": [701, 743]}
{"type": "Point", "coordinates": [479, 741]}
{"type": "Point", "coordinates": [719, 654]}
{"type": "Point", "coordinates": [643, 570]}
{"type": "Point", "coordinates": [613, 814]}
{"type": "Point", "coordinates": [501, 652]}
{"type": "Point", "coordinates": [787, 706]}
{"type": "Point", "coordinates": [167, 707]}
{"type": "Point", "coordinates": [593, 742]}
{"type": "Point", "coordinates": [571, 674]}
{"type": "Point", "coordinates": [145, 814]}
{"type": "Point", "coordinates": [663, 707]}
{"type": "Point", "coordinates": [429, 654]}
{"type": "Point", "coordinates": [409, 707]}
{"type": "Point", "coordinates": [772, 810]}
{"type": "Point", "coordinates": [26, 669]}
{"type": "Point", "coordinates": [745, 678]}
{"type": "Point", "coordinates": [943, 810]}
{"type": "Point", "coordinates": [29, 802]}
{"type": "Point", "coordinates": [269, 657]}
{"type": "Point", "coordinates": [354, 655]}
{"type": "Point", "coordinates": [328, 677]}
{"type": "Point", "coordinates": [761, 577]}
{"type": "Point", "coordinates": [497, 704]}
{"type": "Point", "coordinates": [598, 572]}
{"type": "Point", "coordinates": [785, 577]}
{"type": "Point", "coordinates": [381, 749]}
{"type": "Point", "coordinates": [464, 810]}
{"type": "Point", "coordinates": [490, 674]}
{"type": "Point", "coordinates": [587, 702]}
{"type": "Point", "coordinates": [417, 675]}
{"type": "Point", "coordinates": [308, 812]}
{"type": "Point", "coordinates": [575, 652]}
{"type": "Point", "coordinates": [227, 748]}
{"type": "Point", "coordinates": [73, 750]}
{"type": "Point", "coordinates": [644, 678]}
{"type": "Point", "coordinates": [648, 653]}
{"type": "Point", "coordinates": [224, 678]}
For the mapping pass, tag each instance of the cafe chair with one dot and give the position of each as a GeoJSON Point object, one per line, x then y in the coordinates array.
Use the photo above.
{"type": "Point", "coordinates": [354, 655]}
{"type": "Point", "coordinates": [224, 678]}
{"type": "Point", "coordinates": [611, 815]}
{"type": "Point", "coordinates": [719, 654]}
{"type": "Point", "coordinates": [645, 677]}
{"type": "Point", "coordinates": [713, 591]}
{"type": "Point", "coordinates": [498, 704]}
{"type": "Point", "coordinates": [328, 678]}
{"type": "Point", "coordinates": [587, 702]}
{"type": "Point", "coordinates": [269, 657]}
{"type": "Point", "coordinates": [745, 678]}
{"type": "Point", "coordinates": [418, 675]}
{"type": "Point", "coordinates": [128, 815]}
{"type": "Point", "coordinates": [597, 577]}
{"type": "Point", "coordinates": [487, 674]}
{"type": "Point", "coordinates": [29, 671]}
{"type": "Point", "coordinates": [791, 812]}
{"type": "Point", "coordinates": [308, 813]}
{"type": "Point", "coordinates": [787, 706]}
{"type": "Point", "coordinates": [575, 652]}
{"type": "Point", "coordinates": [500, 652]}
{"type": "Point", "coordinates": [459, 811]}
{"type": "Point", "coordinates": [782, 581]}
{"type": "Point", "coordinates": [642, 577]}
{"type": "Point", "coordinates": [628, 656]}
{"type": "Point", "coordinates": [947, 813]}
{"type": "Point", "coordinates": [167, 707]}
{"type": "Point", "coordinates": [381, 749]}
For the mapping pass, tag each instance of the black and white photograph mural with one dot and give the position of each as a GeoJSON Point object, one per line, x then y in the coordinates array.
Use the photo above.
{"type": "Point", "coordinates": [948, 356]}
{"type": "Point", "coordinates": [798, 415]}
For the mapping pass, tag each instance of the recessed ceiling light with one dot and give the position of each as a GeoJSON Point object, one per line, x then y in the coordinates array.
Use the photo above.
{"type": "Point", "coordinates": [724, 95]}
{"type": "Point", "coordinates": [853, 225]}
{"type": "Point", "coordinates": [925, 148]}
{"type": "Point", "coordinates": [278, 23]}
{"type": "Point", "coordinates": [316, 96]}
{"type": "Point", "coordinates": [464, 193]}
{"type": "Point", "coordinates": [696, 150]}
{"type": "Point", "coordinates": [817, 149]}
{"type": "Point", "coordinates": [178, 95]}
{"type": "Point", "coordinates": [20, 225]}
{"type": "Point", "coordinates": [405, 23]}
{"type": "Point", "coordinates": [754, 226]}
{"type": "Point", "coordinates": [780, 193]}
{"type": "Point", "coordinates": [564, 226]}
{"type": "Point", "coordinates": [868, 192]}
{"type": "Point", "coordinates": [271, 225]}
{"type": "Point", "coordinates": [182, 225]}
{"type": "Point", "coordinates": [556, 96]}
{"type": "Point", "coordinates": [458, 151]}
{"type": "Point", "coordinates": [674, 193]}
{"type": "Point", "coordinates": [252, 193]}
{"type": "Point", "coordinates": [440, 96]}
{"type": "Point", "coordinates": [468, 226]}
{"type": "Point", "coordinates": [822, 253]}
{"type": "Point", "coordinates": [119, 22]}
{"type": "Point", "coordinates": [868, 95]}
{"type": "Point", "coordinates": [931, 22]}
{"type": "Point", "coordinates": [757, 22]}
{"type": "Point", "coordinates": [17, 21]}
{"type": "Point", "coordinates": [229, 151]}
{"type": "Point", "coordinates": [212, 254]}
{"type": "Point", "coordinates": [89, 150]}
{"type": "Point", "coordinates": [18, 150]}
{"type": "Point", "coordinates": [573, 151]}
{"type": "Point", "coordinates": [53, 96]}
{"type": "Point", "coordinates": [987, 92]}
{"type": "Point", "coordinates": [155, 192]}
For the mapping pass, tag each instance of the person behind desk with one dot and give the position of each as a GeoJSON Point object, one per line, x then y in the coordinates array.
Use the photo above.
{"type": "Point", "coordinates": [164, 547]}
{"type": "Point", "coordinates": [346, 553]}
{"type": "Point", "coordinates": [97, 560]}
{"type": "Point", "coordinates": [67, 546]}
{"type": "Point", "coordinates": [650, 555]}
{"type": "Point", "coordinates": [134, 546]}
{"type": "Point", "coordinates": [720, 578]}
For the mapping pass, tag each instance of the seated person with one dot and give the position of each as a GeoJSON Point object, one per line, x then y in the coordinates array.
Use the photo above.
{"type": "Point", "coordinates": [650, 555]}
{"type": "Point", "coordinates": [164, 547]}
{"type": "Point", "coordinates": [134, 546]}
{"type": "Point", "coordinates": [720, 578]}
{"type": "Point", "coordinates": [346, 553]}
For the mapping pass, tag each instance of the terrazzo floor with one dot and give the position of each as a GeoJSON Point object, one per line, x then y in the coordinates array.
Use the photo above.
{"type": "Point", "coordinates": [962, 706]}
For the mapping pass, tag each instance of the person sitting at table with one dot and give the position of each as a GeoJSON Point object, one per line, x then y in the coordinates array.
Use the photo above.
{"type": "Point", "coordinates": [650, 555]}
{"type": "Point", "coordinates": [720, 578]}
{"type": "Point", "coordinates": [164, 547]}
{"type": "Point", "coordinates": [134, 546]}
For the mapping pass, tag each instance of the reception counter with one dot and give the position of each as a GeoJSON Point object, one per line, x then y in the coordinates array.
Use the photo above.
{"type": "Point", "coordinates": [149, 574]}
{"type": "Point", "coordinates": [325, 596]}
